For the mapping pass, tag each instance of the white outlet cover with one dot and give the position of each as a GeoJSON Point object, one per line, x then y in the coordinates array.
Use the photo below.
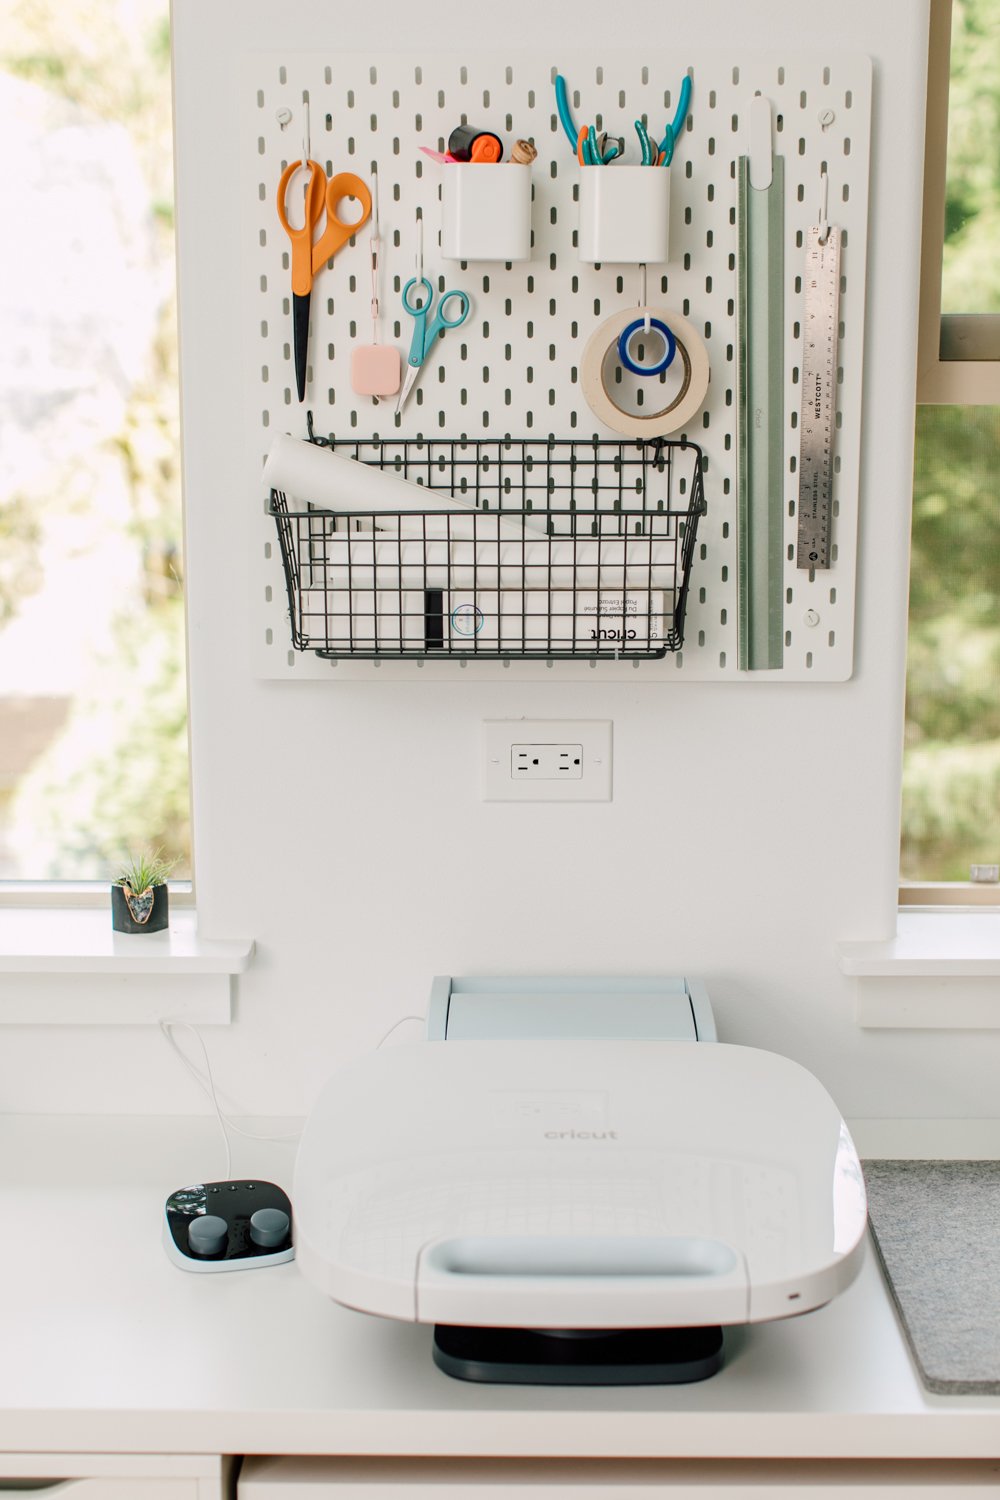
{"type": "Point", "coordinates": [500, 784]}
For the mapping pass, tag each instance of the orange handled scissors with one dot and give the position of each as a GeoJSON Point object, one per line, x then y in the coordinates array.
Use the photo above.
{"type": "Point", "coordinates": [309, 254]}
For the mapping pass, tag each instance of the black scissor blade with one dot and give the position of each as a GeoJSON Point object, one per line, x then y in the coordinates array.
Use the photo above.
{"type": "Point", "coordinates": [300, 339]}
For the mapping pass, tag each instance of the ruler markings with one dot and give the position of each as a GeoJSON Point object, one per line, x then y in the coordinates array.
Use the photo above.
{"type": "Point", "coordinates": [818, 412]}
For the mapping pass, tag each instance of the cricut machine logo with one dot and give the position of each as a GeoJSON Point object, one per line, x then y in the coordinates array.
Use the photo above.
{"type": "Point", "coordinates": [581, 1135]}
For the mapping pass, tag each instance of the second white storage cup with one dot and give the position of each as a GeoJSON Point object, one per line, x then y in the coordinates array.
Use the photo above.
{"type": "Point", "coordinates": [486, 211]}
{"type": "Point", "coordinates": [624, 214]}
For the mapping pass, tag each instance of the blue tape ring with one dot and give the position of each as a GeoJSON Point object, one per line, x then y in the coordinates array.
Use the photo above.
{"type": "Point", "coordinates": [629, 362]}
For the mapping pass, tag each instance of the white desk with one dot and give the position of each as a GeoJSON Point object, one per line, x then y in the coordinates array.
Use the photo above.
{"type": "Point", "coordinates": [108, 1348]}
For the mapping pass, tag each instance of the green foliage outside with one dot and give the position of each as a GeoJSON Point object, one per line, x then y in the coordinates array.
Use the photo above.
{"type": "Point", "coordinates": [951, 767]}
{"type": "Point", "coordinates": [116, 777]}
{"type": "Point", "coordinates": [971, 276]}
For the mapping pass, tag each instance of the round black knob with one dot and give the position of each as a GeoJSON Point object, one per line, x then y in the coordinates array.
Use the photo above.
{"type": "Point", "coordinates": [208, 1235]}
{"type": "Point", "coordinates": [269, 1228]}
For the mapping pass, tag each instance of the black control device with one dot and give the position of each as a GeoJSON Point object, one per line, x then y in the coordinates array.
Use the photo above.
{"type": "Point", "coordinates": [228, 1226]}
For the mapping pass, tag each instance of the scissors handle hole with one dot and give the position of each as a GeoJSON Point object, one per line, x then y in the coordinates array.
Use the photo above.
{"type": "Point", "coordinates": [355, 212]}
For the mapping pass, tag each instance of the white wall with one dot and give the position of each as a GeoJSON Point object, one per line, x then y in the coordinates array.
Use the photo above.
{"type": "Point", "coordinates": [753, 825]}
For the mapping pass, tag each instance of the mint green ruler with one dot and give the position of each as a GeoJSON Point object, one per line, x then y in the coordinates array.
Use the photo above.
{"type": "Point", "coordinates": [760, 421]}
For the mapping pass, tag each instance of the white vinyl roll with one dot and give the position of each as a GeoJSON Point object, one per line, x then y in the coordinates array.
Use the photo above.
{"type": "Point", "coordinates": [324, 477]}
{"type": "Point", "coordinates": [371, 561]}
{"type": "Point", "coordinates": [364, 577]}
{"type": "Point", "coordinates": [689, 400]}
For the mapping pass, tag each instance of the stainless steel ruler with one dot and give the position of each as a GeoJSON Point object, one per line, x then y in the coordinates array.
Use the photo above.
{"type": "Point", "coordinates": [818, 412]}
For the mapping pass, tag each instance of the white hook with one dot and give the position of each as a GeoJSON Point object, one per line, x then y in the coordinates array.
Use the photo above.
{"type": "Point", "coordinates": [642, 297]}
{"type": "Point", "coordinates": [374, 249]}
{"type": "Point", "coordinates": [306, 140]}
{"type": "Point", "coordinates": [420, 249]}
{"type": "Point", "coordinates": [824, 222]}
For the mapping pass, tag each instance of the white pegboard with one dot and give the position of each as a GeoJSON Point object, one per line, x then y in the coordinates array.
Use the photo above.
{"type": "Point", "coordinates": [513, 367]}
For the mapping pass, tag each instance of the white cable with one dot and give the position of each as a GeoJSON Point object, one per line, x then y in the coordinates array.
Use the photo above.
{"type": "Point", "coordinates": [207, 1084]}
{"type": "Point", "coordinates": [395, 1026]}
{"type": "Point", "coordinates": [167, 1028]}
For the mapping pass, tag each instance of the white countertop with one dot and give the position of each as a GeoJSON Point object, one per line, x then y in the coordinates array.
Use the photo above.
{"type": "Point", "coordinates": [107, 1346]}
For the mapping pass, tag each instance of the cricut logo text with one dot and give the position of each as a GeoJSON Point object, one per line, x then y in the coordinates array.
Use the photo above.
{"type": "Point", "coordinates": [581, 1135]}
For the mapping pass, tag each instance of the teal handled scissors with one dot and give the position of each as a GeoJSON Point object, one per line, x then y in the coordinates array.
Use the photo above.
{"type": "Point", "coordinates": [425, 333]}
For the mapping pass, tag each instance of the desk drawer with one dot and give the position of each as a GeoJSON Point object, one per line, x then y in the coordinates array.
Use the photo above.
{"type": "Point", "coordinates": [138, 1488]}
{"type": "Point", "coordinates": [115, 1476]}
{"type": "Point", "coordinates": [625, 1479]}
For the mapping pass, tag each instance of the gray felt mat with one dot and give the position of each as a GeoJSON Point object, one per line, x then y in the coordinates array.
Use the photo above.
{"type": "Point", "coordinates": [936, 1226]}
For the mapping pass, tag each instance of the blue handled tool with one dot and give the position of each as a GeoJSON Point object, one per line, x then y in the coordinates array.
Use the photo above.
{"type": "Point", "coordinates": [648, 150]}
{"type": "Point", "coordinates": [675, 127]}
{"type": "Point", "coordinates": [425, 333]}
{"type": "Point", "coordinates": [565, 113]}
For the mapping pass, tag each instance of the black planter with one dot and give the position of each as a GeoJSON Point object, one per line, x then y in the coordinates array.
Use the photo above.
{"type": "Point", "coordinates": [151, 911]}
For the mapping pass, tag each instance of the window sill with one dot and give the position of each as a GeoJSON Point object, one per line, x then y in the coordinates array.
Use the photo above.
{"type": "Point", "coordinates": [938, 972]}
{"type": "Point", "coordinates": [116, 978]}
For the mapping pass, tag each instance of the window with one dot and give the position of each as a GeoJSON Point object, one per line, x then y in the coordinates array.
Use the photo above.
{"type": "Point", "coordinates": [951, 768]}
{"type": "Point", "coordinates": [93, 706]}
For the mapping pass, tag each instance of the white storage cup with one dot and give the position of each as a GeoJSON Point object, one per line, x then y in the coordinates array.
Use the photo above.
{"type": "Point", "coordinates": [624, 214]}
{"type": "Point", "coordinates": [486, 211]}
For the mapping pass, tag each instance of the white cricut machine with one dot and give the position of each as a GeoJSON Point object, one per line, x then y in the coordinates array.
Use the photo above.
{"type": "Point", "coordinates": [572, 1191]}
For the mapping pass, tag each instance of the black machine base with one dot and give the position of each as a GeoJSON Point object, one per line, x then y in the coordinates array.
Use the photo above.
{"type": "Point", "coordinates": [631, 1356]}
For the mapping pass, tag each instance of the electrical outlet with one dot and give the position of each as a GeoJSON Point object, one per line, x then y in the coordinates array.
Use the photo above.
{"type": "Point", "coordinates": [534, 760]}
{"type": "Point", "coordinates": [546, 762]}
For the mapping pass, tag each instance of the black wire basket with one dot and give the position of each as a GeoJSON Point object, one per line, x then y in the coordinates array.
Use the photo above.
{"type": "Point", "coordinates": [558, 549]}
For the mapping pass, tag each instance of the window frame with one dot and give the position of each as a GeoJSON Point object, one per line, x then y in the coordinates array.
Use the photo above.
{"type": "Point", "coordinates": [958, 354]}
{"type": "Point", "coordinates": [57, 895]}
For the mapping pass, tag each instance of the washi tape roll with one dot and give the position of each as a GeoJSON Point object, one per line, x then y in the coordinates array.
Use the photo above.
{"type": "Point", "coordinates": [685, 404]}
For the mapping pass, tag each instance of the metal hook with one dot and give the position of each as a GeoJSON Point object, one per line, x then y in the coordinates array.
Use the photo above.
{"type": "Point", "coordinates": [646, 326]}
{"type": "Point", "coordinates": [314, 436]}
{"type": "Point", "coordinates": [374, 245]}
{"type": "Point", "coordinates": [306, 138]}
{"type": "Point", "coordinates": [824, 221]}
